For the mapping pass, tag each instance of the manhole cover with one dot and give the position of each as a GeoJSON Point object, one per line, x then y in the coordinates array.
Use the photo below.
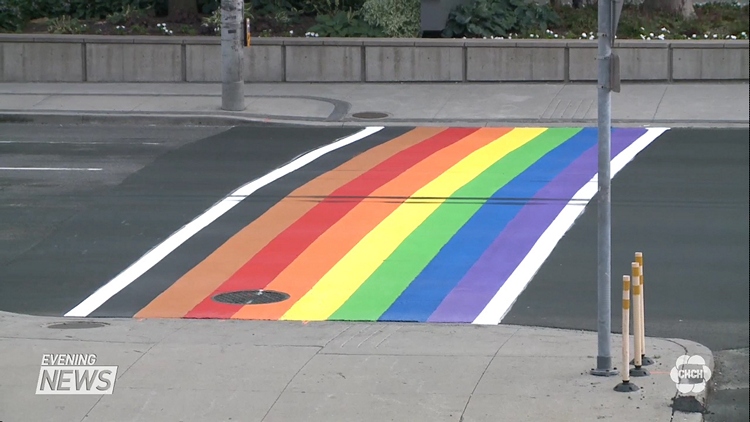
{"type": "Point", "coordinates": [370, 115]}
{"type": "Point", "coordinates": [72, 325]}
{"type": "Point", "coordinates": [251, 297]}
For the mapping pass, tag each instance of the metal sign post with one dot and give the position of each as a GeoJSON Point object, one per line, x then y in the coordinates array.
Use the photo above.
{"type": "Point", "coordinates": [608, 69]}
{"type": "Point", "coordinates": [232, 80]}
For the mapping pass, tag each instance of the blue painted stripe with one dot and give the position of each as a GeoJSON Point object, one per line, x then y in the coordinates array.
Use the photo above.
{"type": "Point", "coordinates": [454, 260]}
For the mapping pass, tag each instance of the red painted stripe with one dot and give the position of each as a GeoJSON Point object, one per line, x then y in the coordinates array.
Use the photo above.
{"type": "Point", "coordinates": [262, 268]}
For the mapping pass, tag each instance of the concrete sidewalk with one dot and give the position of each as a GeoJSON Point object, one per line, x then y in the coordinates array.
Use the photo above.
{"type": "Point", "coordinates": [195, 370]}
{"type": "Point", "coordinates": [466, 104]}
{"type": "Point", "coordinates": [210, 370]}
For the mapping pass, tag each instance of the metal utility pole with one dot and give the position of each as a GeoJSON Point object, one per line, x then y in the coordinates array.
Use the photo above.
{"type": "Point", "coordinates": [232, 54]}
{"type": "Point", "coordinates": [608, 80]}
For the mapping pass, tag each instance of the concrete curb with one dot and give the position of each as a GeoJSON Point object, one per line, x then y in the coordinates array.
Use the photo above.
{"type": "Point", "coordinates": [689, 347]}
{"type": "Point", "coordinates": [233, 119]}
{"type": "Point", "coordinates": [692, 349]}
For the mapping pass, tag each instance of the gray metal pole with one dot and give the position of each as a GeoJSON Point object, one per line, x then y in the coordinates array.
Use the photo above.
{"type": "Point", "coordinates": [604, 238]}
{"type": "Point", "coordinates": [232, 81]}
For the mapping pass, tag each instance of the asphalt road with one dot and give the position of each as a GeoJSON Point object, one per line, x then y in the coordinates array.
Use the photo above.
{"type": "Point", "coordinates": [683, 202]}
{"type": "Point", "coordinates": [103, 196]}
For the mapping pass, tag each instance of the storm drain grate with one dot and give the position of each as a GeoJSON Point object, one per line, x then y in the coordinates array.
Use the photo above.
{"type": "Point", "coordinates": [251, 297]}
{"type": "Point", "coordinates": [370, 115]}
{"type": "Point", "coordinates": [73, 325]}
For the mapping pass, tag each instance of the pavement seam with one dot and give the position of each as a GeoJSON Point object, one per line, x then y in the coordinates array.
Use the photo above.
{"type": "Point", "coordinates": [54, 229]}
{"type": "Point", "coordinates": [290, 382]}
{"type": "Point", "coordinates": [133, 364]}
{"type": "Point", "coordinates": [303, 367]}
{"type": "Point", "coordinates": [46, 97]}
{"type": "Point", "coordinates": [492, 359]}
{"type": "Point", "coordinates": [656, 110]}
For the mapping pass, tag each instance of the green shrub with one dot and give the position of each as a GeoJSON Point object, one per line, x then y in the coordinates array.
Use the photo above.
{"type": "Point", "coordinates": [292, 7]}
{"type": "Point", "coordinates": [15, 13]}
{"type": "Point", "coordinates": [491, 18]}
{"type": "Point", "coordinates": [11, 19]}
{"type": "Point", "coordinates": [397, 18]}
{"type": "Point", "coordinates": [344, 24]}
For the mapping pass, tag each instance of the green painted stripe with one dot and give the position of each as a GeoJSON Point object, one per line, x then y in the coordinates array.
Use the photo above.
{"type": "Point", "coordinates": [384, 286]}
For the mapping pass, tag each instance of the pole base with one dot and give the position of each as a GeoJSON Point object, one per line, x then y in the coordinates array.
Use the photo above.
{"type": "Point", "coordinates": [605, 372]}
{"type": "Point", "coordinates": [626, 387]}
{"type": "Point", "coordinates": [604, 367]}
{"type": "Point", "coordinates": [645, 361]}
{"type": "Point", "coordinates": [639, 372]}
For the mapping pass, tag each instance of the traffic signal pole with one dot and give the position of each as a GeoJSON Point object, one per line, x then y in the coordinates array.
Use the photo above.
{"type": "Point", "coordinates": [607, 80]}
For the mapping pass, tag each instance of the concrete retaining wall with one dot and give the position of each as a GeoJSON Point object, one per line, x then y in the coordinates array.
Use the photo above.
{"type": "Point", "coordinates": [69, 58]}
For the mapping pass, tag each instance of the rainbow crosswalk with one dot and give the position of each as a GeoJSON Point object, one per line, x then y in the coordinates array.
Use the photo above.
{"type": "Point", "coordinates": [425, 227]}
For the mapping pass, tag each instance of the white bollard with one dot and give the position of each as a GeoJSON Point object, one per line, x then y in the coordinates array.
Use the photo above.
{"type": "Point", "coordinates": [638, 370]}
{"type": "Point", "coordinates": [626, 386]}
{"type": "Point", "coordinates": [645, 361]}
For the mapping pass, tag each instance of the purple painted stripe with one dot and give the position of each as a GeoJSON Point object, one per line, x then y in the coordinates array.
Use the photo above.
{"type": "Point", "coordinates": [467, 300]}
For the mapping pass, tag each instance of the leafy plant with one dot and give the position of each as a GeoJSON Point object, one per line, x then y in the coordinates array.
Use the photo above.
{"type": "Point", "coordinates": [344, 24]}
{"type": "Point", "coordinates": [139, 30]}
{"type": "Point", "coordinates": [489, 18]}
{"type": "Point", "coordinates": [130, 15]}
{"type": "Point", "coordinates": [65, 25]}
{"type": "Point", "coordinates": [213, 21]}
{"type": "Point", "coordinates": [397, 18]}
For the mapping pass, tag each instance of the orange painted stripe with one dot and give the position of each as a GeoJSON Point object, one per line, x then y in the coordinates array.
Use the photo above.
{"type": "Point", "coordinates": [208, 275]}
{"type": "Point", "coordinates": [310, 266]}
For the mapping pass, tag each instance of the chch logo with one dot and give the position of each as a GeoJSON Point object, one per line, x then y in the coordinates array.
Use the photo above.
{"type": "Point", "coordinates": [690, 374]}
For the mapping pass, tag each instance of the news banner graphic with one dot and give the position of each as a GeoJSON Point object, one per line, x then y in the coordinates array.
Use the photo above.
{"type": "Point", "coordinates": [75, 374]}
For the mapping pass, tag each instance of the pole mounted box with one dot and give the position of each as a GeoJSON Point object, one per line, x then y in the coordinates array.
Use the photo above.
{"type": "Point", "coordinates": [614, 72]}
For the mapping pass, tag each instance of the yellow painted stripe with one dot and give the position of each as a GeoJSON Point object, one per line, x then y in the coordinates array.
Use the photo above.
{"type": "Point", "coordinates": [341, 281]}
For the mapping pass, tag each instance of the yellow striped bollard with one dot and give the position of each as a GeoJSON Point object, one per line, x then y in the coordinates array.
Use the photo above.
{"type": "Point", "coordinates": [625, 386]}
{"type": "Point", "coordinates": [638, 370]}
{"type": "Point", "coordinates": [645, 360]}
